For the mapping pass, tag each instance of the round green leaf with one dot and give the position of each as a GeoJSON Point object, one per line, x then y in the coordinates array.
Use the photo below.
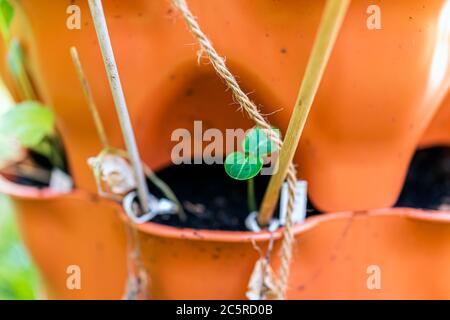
{"type": "Point", "coordinates": [29, 123]}
{"type": "Point", "coordinates": [242, 167]}
{"type": "Point", "coordinates": [258, 142]}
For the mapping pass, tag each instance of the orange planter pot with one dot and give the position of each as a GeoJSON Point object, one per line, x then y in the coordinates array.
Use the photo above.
{"type": "Point", "coordinates": [380, 91]}
{"type": "Point", "coordinates": [72, 229]}
{"type": "Point", "coordinates": [438, 132]}
{"type": "Point", "coordinates": [334, 258]}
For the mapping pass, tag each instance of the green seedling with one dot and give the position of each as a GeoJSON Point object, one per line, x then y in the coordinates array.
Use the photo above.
{"type": "Point", "coordinates": [29, 123]}
{"type": "Point", "coordinates": [33, 126]}
{"type": "Point", "coordinates": [248, 164]}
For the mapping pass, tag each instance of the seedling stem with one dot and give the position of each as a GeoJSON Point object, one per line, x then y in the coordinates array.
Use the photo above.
{"type": "Point", "coordinates": [252, 207]}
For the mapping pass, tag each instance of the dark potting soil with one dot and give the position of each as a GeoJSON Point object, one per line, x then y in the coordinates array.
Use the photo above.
{"type": "Point", "coordinates": [214, 201]}
{"type": "Point", "coordinates": [211, 199]}
{"type": "Point", "coordinates": [428, 182]}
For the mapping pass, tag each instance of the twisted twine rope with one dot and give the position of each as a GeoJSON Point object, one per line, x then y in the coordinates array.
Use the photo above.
{"type": "Point", "coordinates": [252, 111]}
{"type": "Point", "coordinates": [137, 280]}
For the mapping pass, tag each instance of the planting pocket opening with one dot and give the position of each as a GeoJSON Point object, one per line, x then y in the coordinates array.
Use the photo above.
{"type": "Point", "coordinates": [427, 184]}
{"type": "Point", "coordinates": [33, 154]}
{"type": "Point", "coordinates": [35, 172]}
{"type": "Point", "coordinates": [210, 198]}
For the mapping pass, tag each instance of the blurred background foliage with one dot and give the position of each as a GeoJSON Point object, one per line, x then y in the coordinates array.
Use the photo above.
{"type": "Point", "coordinates": [18, 277]}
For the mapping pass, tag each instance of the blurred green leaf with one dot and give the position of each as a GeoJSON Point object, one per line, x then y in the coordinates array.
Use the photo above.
{"type": "Point", "coordinates": [18, 277]}
{"type": "Point", "coordinates": [30, 123]}
{"type": "Point", "coordinates": [6, 16]}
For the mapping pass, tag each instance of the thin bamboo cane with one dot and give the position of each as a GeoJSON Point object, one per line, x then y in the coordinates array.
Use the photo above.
{"type": "Point", "coordinates": [330, 25]}
{"type": "Point", "coordinates": [89, 98]}
{"type": "Point", "coordinates": [104, 40]}
{"type": "Point", "coordinates": [161, 185]}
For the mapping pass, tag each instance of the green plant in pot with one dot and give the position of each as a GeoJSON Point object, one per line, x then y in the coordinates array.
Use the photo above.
{"type": "Point", "coordinates": [32, 126]}
{"type": "Point", "coordinates": [15, 56]}
{"type": "Point", "coordinates": [240, 165]}
{"type": "Point", "coordinates": [29, 126]}
{"type": "Point", "coordinates": [246, 165]}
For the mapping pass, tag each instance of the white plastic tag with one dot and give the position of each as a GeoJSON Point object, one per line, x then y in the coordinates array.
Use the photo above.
{"type": "Point", "coordinates": [301, 200]}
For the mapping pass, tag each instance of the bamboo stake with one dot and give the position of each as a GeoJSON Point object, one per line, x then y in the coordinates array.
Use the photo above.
{"type": "Point", "coordinates": [330, 25]}
{"type": "Point", "coordinates": [89, 97]}
{"type": "Point", "coordinates": [101, 28]}
{"type": "Point", "coordinates": [160, 184]}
